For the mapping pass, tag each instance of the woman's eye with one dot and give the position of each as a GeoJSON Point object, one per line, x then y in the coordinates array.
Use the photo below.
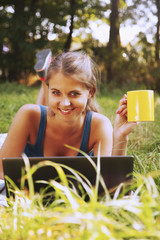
{"type": "Point", "coordinates": [56, 93]}
{"type": "Point", "coordinates": [75, 94]}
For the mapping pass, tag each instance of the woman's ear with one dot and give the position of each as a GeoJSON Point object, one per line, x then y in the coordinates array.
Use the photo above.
{"type": "Point", "coordinates": [91, 92]}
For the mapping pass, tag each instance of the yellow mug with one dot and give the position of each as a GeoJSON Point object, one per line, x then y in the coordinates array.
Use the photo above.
{"type": "Point", "coordinates": [140, 105]}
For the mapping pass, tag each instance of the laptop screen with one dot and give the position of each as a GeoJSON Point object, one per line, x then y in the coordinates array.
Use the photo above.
{"type": "Point", "coordinates": [114, 169]}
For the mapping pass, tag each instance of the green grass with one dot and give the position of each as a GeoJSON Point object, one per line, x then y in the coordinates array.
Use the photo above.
{"type": "Point", "coordinates": [12, 97]}
{"type": "Point", "coordinates": [143, 142]}
{"type": "Point", "coordinates": [69, 216]}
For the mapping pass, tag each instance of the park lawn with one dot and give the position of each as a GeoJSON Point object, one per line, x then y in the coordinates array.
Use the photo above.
{"type": "Point", "coordinates": [12, 97]}
{"type": "Point", "coordinates": [143, 142]}
{"type": "Point", "coordinates": [69, 216]}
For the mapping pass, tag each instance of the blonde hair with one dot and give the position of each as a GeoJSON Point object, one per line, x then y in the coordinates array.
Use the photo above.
{"type": "Point", "coordinates": [80, 67]}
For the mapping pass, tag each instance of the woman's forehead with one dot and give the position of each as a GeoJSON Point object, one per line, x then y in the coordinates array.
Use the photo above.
{"type": "Point", "coordinates": [60, 80]}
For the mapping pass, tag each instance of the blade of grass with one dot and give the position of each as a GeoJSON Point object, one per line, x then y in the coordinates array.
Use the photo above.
{"type": "Point", "coordinates": [29, 175]}
{"type": "Point", "coordinates": [98, 173]}
{"type": "Point", "coordinates": [93, 164]}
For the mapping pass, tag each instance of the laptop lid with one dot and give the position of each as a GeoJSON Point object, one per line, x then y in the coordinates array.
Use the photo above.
{"type": "Point", "coordinates": [114, 169]}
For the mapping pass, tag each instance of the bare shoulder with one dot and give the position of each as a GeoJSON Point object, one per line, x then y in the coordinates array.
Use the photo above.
{"type": "Point", "coordinates": [29, 110]}
{"type": "Point", "coordinates": [27, 119]}
{"type": "Point", "coordinates": [100, 121]}
{"type": "Point", "coordinates": [28, 113]}
{"type": "Point", "coordinates": [101, 131]}
{"type": "Point", "coordinates": [101, 127]}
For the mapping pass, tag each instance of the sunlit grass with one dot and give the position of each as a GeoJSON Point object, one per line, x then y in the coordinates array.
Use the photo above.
{"type": "Point", "coordinates": [12, 97]}
{"type": "Point", "coordinates": [135, 216]}
{"type": "Point", "coordinates": [144, 141]}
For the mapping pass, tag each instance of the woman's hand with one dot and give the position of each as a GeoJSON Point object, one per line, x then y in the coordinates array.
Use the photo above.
{"type": "Point", "coordinates": [121, 125]}
{"type": "Point", "coordinates": [122, 128]}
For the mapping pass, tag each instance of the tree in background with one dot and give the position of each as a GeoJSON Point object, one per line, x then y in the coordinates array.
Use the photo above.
{"type": "Point", "coordinates": [148, 50]}
{"type": "Point", "coordinates": [80, 13]}
{"type": "Point", "coordinates": [25, 31]}
{"type": "Point", "coordinates": [30, 25]}
{"type": "Point", "coordinates": [157, 48]}
{"type": "Point", "coordinates": [142, 9]}
{"type": "Point", "coordinates": [120, 59]}
{"type": "Point", "coordinates": [3, 32]}
{"type": "Point", "coordinates": [113, 47]}
{"type": "Point", "coordinates": [156, 70]}
{"type": "Point", "coordinates": [72, 5]}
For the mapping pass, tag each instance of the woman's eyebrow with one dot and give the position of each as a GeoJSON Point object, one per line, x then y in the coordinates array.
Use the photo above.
{"type": "Point", "coordinates": [72, 90]}
{"type": "Point", "coordinates": [75, 90]}
{"type": "Point", "coordinates": [54, 89]}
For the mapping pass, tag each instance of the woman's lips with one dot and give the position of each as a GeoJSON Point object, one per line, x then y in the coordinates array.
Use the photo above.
{"type": "Point", "coordinates": [66, 111]}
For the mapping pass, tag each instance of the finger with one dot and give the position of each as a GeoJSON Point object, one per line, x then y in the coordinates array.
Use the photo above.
{"type": "Point", "coordinates": [123, 101]}
{"type": "Point", "coordinates": [124, 96]}
{"type": "Point", "coordinates": [121, 108]}
{"type": "Point", "coordinates": [124, 112]}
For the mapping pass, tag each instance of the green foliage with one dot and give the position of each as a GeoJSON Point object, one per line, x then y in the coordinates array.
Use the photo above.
{"type": "Point", "coordinates": [24, 29]}
{"type": "Point", "coordinates": [132, 69]}
{"type": "Point", "coordinates": [25, 26]}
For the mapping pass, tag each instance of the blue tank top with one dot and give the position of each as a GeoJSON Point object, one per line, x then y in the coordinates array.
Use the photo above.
{"type": "Point", "coordinates": [36, 150]}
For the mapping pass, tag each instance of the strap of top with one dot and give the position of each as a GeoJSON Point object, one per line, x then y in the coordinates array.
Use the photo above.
{"type": "Point", "coordinates": [86, 132]}
{"type": "Point", "coordinates": [36, 150]}
{"type": "Point", "coordinates": [42, 127]}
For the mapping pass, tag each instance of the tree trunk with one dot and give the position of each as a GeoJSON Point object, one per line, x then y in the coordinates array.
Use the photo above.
{"type": "Point", "coordinates": [15, 71]}
{"type": "Point", "coordinates": [114, 38]}
{"type": "Point", "coordinates": [2, 67]}
{"type": "Point", "coordinates": [69, 38]}
{"type": "Point", "coordinates": [158, 32]}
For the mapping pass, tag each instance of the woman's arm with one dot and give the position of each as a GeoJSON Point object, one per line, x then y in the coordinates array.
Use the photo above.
{"type": "Point", "coordinates": [43, 95]}
{"type": "Point", "coordinates": [121, 129]}
{"type": "Point", "coordinates": [113, 141]}
{"type": "Point", "coordinates": [102, 132]}
{"type": "Point", "coordinates": [17, 136]}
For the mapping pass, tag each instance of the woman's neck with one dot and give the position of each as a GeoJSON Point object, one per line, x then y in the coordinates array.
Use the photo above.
{"type": "Point", "coordinates": [63, 128]}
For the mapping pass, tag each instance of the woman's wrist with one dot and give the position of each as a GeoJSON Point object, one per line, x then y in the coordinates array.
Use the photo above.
{"type": "Point", "coordinates": [119, 145]}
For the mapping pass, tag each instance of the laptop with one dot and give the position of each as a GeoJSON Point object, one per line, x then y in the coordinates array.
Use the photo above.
{"type": "Point", "coordinates": [114, 170]}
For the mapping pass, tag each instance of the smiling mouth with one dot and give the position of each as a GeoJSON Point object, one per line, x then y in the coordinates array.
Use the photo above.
{"type": "Point", "coordinates": [66, 111]}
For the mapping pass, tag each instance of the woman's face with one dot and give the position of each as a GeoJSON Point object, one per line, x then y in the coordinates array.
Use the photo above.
{"type": "Point", "coordinates": [67, 97]}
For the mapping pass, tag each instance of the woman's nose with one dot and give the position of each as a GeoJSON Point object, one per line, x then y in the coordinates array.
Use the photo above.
{"type": "Point", "coordinates": [65, 102]}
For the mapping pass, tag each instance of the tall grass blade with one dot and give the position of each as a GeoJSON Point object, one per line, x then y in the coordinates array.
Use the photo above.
{"type": "Point", "coordinates": [93, 164]}
{"type": "Point", "coordinates": [98, 172]}
{"type": "Point", "coordinates": [67, 192]}
{"type": "Point", "coordinates": [29, 176]}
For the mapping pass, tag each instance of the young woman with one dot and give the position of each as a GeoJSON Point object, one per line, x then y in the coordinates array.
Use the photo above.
{"type": "Point", "coordinates": [71, 116]}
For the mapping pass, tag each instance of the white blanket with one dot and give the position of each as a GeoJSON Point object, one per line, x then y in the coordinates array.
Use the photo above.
{"type": "Point", "coordinates": [2, 138]}
{"type": "Point", "coordinates": [3, 201]}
